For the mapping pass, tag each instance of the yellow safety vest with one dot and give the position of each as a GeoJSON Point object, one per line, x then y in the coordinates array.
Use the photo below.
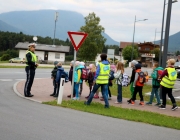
{"type": "Point", "coordinates": [169, 81]}
{"type": "Point", "coordinates": [34, 58]}
{"type": "Point", "coordinates": [103, 77]}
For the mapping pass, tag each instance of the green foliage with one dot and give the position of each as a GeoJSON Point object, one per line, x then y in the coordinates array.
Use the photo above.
{"type": "Point", "coordinates": [8, 40]}
{"type": "Point", "coordinates": [95, 41]}
{"type": "Point", "coordinates": [5, 57]}
{"type": "Point", "coordinates": [127, 51]}
{"type": "Point", "coordinates": [156, 52]}
{"type": "Point", "coordinates": [177, 53]}
{"type": "Point", "coordinates": [69, 58]}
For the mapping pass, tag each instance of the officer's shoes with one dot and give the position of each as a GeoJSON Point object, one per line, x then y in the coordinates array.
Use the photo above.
{"type": "Point", "coordinates": [29, 95]}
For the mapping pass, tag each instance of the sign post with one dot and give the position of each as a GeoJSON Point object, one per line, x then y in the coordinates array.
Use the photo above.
{"type": "Point", "coordinates": [77, 38]}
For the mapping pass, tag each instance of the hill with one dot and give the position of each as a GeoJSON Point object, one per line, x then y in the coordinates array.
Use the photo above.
{"type": "Point", "coordinates": [42, 23]}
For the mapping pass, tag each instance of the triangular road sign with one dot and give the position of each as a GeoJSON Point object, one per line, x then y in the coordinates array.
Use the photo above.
{"type": "Point", "coordinates": [77, 38]}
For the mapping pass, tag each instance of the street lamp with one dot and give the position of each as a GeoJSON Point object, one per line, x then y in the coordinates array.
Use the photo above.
{"type": "Point", "coordinates": [166, 39]}
{"type": "Point", "coordinates": [56, 17]}
{"type": "Point", "coordinates": [133, 36]}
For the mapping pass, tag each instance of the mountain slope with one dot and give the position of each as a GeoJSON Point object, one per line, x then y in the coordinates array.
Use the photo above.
{"type": "Point", "coordinates": [42, 23]}
{"type": "Point", "coordinates": [6, 27]}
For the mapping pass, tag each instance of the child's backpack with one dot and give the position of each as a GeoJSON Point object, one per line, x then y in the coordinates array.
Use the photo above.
{"type": "Point", "coordinates": [64, 74]}
{"type": "Point", "coordinates": [141, 78]}
{"type": "Point", "coordinates": [111, 75]}
{"type": "Point", "coordinates": [90, 77]}
{"type": "Point", "coordinates": [159, 73]}
{"type": "Point", "coordinates": [125, 79]}
{"type": "Point", "coordinates": [54, 73]}
{"type": "Point", "coordinates": [84, 74]}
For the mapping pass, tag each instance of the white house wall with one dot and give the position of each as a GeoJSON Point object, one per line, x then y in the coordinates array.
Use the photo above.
{"type": "Point", "coordinates": [40, 54]}
{"type": "Point", "coordinates": [51, 56]}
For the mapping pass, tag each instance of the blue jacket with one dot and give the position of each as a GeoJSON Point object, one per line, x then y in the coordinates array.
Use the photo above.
{"type": "Point", "coordinates": [105, 62]}
{"type": "Point", "coordinates": [60, 72]}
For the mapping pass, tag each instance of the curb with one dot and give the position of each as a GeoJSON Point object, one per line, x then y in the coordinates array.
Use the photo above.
{"type": "Point", "coordinates": [18, 94]}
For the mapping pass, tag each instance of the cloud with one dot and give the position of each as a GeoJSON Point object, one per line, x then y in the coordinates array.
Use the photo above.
{"type": "Point", "coordinates": [117, 16]}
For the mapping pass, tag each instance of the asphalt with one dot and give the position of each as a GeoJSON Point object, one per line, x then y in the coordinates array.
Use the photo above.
{"type": "Point", "coordinates": [42, 88]}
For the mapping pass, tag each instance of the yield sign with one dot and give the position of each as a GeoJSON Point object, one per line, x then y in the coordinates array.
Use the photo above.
{"type": "Point", "coordinates": [77, 38]}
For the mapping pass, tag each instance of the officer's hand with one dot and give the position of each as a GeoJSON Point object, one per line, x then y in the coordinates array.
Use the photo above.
{"type": "Point", "coordinates": [37, 65]}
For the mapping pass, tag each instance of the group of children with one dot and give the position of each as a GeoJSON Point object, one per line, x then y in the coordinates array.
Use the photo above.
{"type": "Point", "coordinates": [137, 81]}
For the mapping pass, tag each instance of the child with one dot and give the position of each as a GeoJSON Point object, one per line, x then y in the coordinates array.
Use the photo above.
{"type": "Point", "coordinates": [70, 76]}
{"type": "Point", "coordinates": [60, 74]}
{"type": "Point", "coordinates": [53, 77]}
{"type": "Point", "coordinates": [118, 76]}
{"type": "Point", "coordinates": [91, 74]}
{"type": "Point", "coordinates": [155, 85]}
{"type": "Point", "coordinates": [138, 86]}
{"type": "Point", "coordinates": [77, 80]}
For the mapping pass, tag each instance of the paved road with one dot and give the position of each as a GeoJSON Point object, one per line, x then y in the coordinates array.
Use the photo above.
{"type": "Point", "coordinates": [23, 119]}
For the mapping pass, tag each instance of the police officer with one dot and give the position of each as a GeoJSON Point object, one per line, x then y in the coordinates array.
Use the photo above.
{"type": "Point", "coordinates": [168, 77]}
{"type": "Point", "coordinates": [101, 79]}
{"type": "Point", "coordinates": [30, 68]}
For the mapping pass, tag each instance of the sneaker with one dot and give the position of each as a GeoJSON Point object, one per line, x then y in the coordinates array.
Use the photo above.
{"type": "Point", "coordinates": [102, 99]}
{"type": "Point", "coordinates": [174, 107]}
{"type": "Point", "coordinates": [118, 102]}
{"type": "Point", "coordinates": [75, 98]}
{"type": "Point", "coordinates": [87, 97]}
{"type": "Point", "coordinates": [85, 102]}
{"type": "Point", "coordinates": [148, 103]}
{"type": "Point", "coordinates": [96, 97]}
{"type": "Point", "coordinates": [69, 96]}
{"type": "Point", "coordinates": [141, 103]}
{"type": "Point", "coordinates": [132, 102]}
{"type": "Point", "coordinates": [162, 107]}
{"type": "Point", "coordinates": [158, 104]}
{"type": "Point", "coordinates": [52, 94]}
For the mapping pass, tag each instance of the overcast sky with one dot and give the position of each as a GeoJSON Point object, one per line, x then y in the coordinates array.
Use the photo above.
{"type": "Point", "coordinates": [117, 16]}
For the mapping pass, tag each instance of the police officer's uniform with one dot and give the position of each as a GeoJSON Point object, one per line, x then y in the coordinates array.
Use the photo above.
{"type": "Point", "coordinates": [30, 68]}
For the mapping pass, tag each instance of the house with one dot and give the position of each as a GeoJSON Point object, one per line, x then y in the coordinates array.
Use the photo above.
{"type": "Point", "coordinates": [144, 51]}
{"type": "Point", "coordinates": [46, 53]}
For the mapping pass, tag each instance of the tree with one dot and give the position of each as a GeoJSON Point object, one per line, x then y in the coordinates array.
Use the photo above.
{"type": "Point", "coordinates": [156, 52]}
{"type": "Point", "coordinates": [177, 53]}
{"type": "Point", "coordinates": [94, 43]}
{"type": "Point", "coordinates": [127, 51]}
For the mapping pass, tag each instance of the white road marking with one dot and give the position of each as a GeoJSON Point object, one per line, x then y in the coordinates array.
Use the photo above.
{"type": "Point", "coordinates": [6, 80]}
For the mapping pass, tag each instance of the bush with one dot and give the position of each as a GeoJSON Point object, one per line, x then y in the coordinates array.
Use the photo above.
{"type": "Point", "coordinates": [5, 57]}
{"type": "Point", "coordinates": [69, 58]}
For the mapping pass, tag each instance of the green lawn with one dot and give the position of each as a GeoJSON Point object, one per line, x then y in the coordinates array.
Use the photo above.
{"type": "Point", "coordinates": [127, 94]}
{"type": "Point", "coordinates": [122, 113]}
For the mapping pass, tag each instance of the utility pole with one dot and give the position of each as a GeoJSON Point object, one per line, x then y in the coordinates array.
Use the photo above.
{"type": "Point", "coordinates": [56, 17]}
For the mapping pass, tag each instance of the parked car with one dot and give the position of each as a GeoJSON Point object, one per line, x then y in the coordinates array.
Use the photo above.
{"type": "Point", "coordinates": [17, 60]}
{"type": "Point", "coordinates": [177, 67]}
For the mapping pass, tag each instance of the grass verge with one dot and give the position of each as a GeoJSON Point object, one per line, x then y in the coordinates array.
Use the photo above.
{"type": "Point", "coordinates": [122, 113]}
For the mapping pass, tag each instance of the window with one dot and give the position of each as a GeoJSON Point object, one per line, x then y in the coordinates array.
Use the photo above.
{"type": "Point", "coordinates": [147, 49]}
{"type": "Point", "coordinates": [57, 55]}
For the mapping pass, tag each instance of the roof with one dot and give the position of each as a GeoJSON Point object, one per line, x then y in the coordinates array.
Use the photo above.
{"type": "Point", "coordinates": [44, 47]}
{"type": "Point", "coordinates": [125, 44]}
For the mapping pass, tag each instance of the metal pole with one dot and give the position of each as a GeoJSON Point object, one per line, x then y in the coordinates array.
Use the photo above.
{"type": "Point", "coordinates": [72, 88]}
{"type": "Point", "coordinates": [54, 33]}
{"type": "Point", "coordinates": [162, 31]}
{"type": "Point", "coordinates": [166, 40]}
{"type": "Point", "coordinates": [56, 16]}
{"type": "Point", "coordinates": [133, 40]}
{"type": "Point", "coordinates": [154, 46]}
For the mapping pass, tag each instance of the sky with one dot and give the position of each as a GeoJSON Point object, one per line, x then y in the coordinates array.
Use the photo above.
{"type": "Point", "coordinates": [117, 16]}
